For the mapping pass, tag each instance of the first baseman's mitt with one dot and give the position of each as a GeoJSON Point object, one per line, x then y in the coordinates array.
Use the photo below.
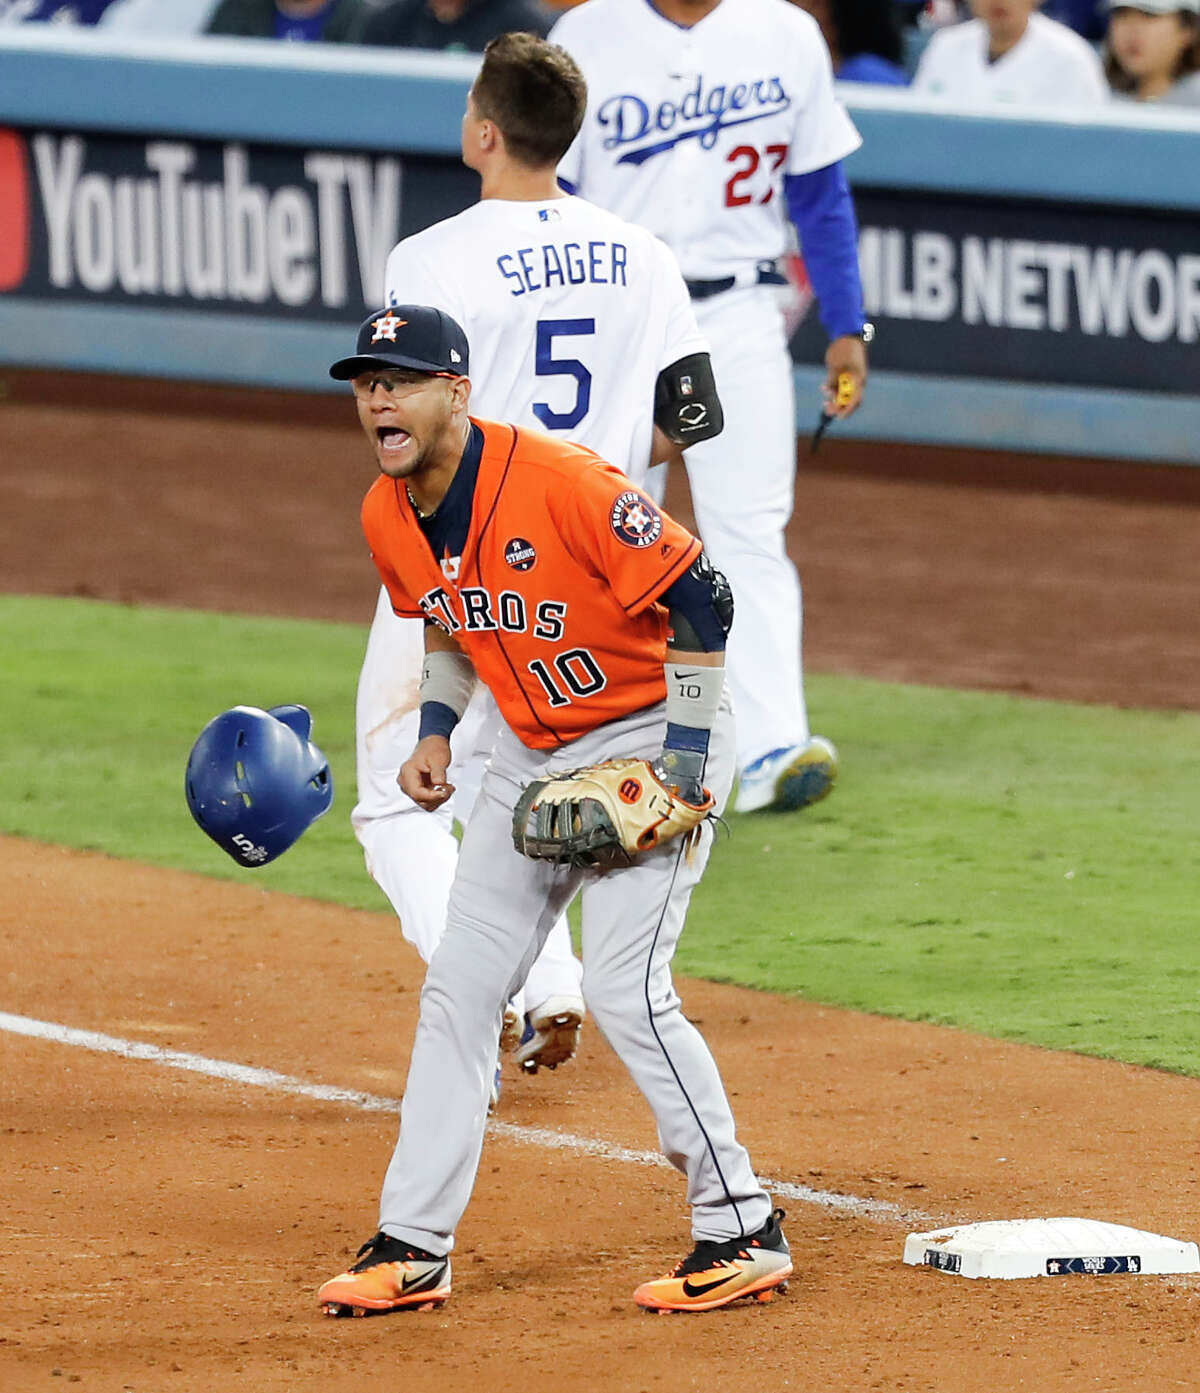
{"type": "Point", "coordinates": [603, 815]}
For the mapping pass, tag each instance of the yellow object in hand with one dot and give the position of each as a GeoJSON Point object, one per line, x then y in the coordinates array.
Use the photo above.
{"type": "Point", "coordinates": [846, 389]}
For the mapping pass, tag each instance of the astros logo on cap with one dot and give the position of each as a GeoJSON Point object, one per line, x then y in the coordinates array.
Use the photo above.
{"type": "Point", "coordinates": [385, 328]}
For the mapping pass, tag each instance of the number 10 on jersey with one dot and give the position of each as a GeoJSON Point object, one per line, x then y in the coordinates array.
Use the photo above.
{"type": "Point", "coordinates": [575, 670]}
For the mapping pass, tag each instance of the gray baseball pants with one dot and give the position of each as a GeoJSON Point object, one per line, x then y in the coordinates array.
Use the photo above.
{"type": "Point", "coordinates": [502, 906]}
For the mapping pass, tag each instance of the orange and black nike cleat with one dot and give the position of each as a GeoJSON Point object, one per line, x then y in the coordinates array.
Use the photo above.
{"type": "Point", "coordinates": [714, 1274]}
{"type": "Point", "coordinates": [389, 1276]}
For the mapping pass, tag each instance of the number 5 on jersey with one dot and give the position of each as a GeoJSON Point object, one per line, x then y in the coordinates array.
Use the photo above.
{"type": "Point", "coordinates": [547, 365]}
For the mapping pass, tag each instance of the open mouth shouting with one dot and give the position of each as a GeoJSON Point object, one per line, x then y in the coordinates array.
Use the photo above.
{"type": "Point", "coordinates": [394, 448]}
{"type": "Point", "coordinates": [392, 439]}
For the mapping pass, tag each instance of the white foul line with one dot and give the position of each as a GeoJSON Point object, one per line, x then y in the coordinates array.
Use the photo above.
{"type": "Point", "coordinates": [372, 1102]}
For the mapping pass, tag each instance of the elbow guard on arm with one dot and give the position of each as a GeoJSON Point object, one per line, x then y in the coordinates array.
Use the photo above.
{"type": "Point", "coordinates": [700, 608]}
{"type": "Point", "coordinates": [686, 405]}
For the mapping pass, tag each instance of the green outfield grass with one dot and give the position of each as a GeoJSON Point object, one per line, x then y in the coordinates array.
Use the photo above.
{"type": "Point", "coordinates": [1026, 869]}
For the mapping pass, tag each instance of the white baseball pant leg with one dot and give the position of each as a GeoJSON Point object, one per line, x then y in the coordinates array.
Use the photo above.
{"type": "Point", "coordinates": [411, 854]}
{"type": "Point", "coordinates": [743, 491]}
{"type": "Point", "coordinates": [501, 905]}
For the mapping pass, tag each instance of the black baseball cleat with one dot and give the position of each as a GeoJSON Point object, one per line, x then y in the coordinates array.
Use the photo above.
{"type": "Point", "coordinates": [389, 1276]}
{"type": "Point", "coordinates": [714, 1274]}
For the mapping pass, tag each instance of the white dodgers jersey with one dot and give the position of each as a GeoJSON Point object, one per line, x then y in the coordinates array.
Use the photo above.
{"type": "Point", "coordinates": [570, 313]}
{"type": "Point", "coordinates": [690, 131]}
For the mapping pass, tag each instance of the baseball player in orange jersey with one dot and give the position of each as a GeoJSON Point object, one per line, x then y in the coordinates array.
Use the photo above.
{"type": "Point", "coordinates": [599, 627]}
{"type": "Point", "coordinates": [579, 324]}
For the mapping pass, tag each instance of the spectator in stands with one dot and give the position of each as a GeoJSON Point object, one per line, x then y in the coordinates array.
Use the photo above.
{"type": "Point", "coordinates": [52, 11]}
{"type": "Point", "coordinates": [466, 25]}
{"type": "Point", "coordinates": [864, 38]}
{"type": "Point", "coordinates": [1153, 52]}
{"type": "Point", "coordinates": [306, 21]}
{"type": "Point", "coordinates": [1011, 56]}
{"type": "Point", "coordinates": [165, 17]}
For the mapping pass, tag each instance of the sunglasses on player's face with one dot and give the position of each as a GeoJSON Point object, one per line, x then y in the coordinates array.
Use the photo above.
{"type": "Point", "coordinates": [393, 381]}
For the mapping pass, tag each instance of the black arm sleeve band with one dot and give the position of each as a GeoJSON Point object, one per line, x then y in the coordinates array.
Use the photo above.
{"type": "Point", "coordinates": [700, 606]}
{"type": "Point", "coordinates": [686, 405]}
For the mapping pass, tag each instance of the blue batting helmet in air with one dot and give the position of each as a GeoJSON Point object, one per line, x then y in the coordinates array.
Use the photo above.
{"type": "Point", "coordinates": [255, 782]}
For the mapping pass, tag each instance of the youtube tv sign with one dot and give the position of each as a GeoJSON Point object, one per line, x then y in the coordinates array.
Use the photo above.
{"type": "Point", "coordinates": [14, 211]}
{"type": "Point", "coordinates": [210, 225]}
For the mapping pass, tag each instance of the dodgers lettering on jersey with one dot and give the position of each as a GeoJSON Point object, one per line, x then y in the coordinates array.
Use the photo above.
{"type": "Point", "coordinates": [570, 312]}
{"type": "Point", "coordinates": [556, 598]}
{"type": "Point", "coordinates": [574, 263]}
{"type": "Point", "coordinates": [690, 131]}
{"type": "Point", "coordinates": [635, 131]}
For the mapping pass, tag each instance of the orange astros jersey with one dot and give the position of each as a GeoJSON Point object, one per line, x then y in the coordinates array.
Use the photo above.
{"type": "Point", "coordinates": [554, 597]}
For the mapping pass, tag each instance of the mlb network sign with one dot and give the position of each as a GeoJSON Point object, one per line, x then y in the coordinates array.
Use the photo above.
{"type": "Point", "coordinates": [224, 227]}
{"type": "Point", "coordinates": [1085, 295]}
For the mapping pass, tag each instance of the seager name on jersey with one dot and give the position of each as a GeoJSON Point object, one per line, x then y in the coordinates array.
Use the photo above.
{"type": "Point", "coordinates": [705, 113]}
{"type": "Point", "coordinates": [572, 263]}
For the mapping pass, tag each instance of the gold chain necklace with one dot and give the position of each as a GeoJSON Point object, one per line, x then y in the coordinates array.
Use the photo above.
{"type": "Point", "coordinates": [423, 516]}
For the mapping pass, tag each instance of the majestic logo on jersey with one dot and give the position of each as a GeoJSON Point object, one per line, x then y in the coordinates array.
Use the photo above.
{"type": "Point", "coordinates": [702, 114]}
{"type": "Point", "coordinates": [635, 520]}
{"type": "Point", "coordinates": [385, 327]}
{"type": "Point", "coordinates": [520, 554]}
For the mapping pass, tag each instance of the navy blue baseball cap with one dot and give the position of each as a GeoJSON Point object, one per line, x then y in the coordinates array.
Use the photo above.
{"type": "Point", "coordinates": [407, 336]}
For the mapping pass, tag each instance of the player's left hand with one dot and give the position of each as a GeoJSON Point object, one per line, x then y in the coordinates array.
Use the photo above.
{"type": "Point", "coordinates": [423, 775]}
{"type": "Point", "coordinates": [845, 375]}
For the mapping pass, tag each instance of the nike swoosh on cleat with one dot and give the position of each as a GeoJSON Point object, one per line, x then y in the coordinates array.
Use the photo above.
{"type": "Point", "coordinates": [409, 1284]}
{"type": "Point", "coordinates": [690, 1288]}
